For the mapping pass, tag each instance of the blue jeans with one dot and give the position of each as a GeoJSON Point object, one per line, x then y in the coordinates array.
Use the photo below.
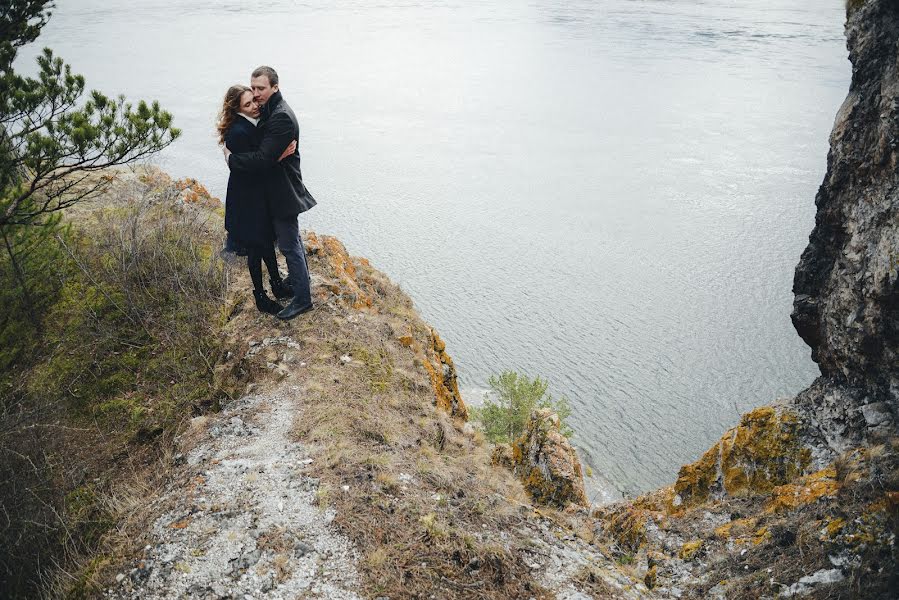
{"type": "Point", "coordinates": [287, 231]}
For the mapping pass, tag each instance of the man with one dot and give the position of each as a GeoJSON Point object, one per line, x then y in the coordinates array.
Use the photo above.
{"type": "Point", "coordinates": [283, 190]}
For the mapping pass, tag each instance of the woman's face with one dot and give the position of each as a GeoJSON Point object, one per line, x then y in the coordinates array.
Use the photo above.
{"type": "Point", "coordinates": [248, 106]}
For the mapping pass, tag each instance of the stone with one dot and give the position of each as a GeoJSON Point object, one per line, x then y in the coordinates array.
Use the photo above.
{"type": "Point", "coordinates": [442, 372]}
{"type": "Point", "coordinates": [807, 584]}
{"type": "Point", "coordinates": [846, 284]}
{"type": "Point", "coordinates": [877, 414]}
{"type": "Point", "coordinates": [547, 463]}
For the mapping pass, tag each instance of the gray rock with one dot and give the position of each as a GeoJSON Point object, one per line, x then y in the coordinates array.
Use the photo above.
{"type": "Point", "coordinates": [243, 562]}
{"type": "Point", "coordinates": [301, 549]}
{"type": "Point", "coordinates": [806, 585]}
{"type": "Point", "coordinates": [877, 414]}
{"type": "Point", "coordinates": [846, 284]}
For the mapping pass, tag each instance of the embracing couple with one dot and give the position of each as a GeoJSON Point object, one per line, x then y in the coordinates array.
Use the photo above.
{"type": "Point", "coordinates": [259, 133]}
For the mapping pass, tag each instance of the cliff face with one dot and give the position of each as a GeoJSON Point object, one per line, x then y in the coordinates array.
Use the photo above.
{"type": "Point", "coordinates": [846, 285]}
{"type": "Point", "coordinates": [802, 498]}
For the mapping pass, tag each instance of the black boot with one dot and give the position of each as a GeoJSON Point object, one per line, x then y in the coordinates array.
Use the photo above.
{"type": "Point", "coordinates": [266, 304]}
{"type": "Point", "coordinates": [281, 289]}
{"type": "Point", "coordinates": [294, 309]}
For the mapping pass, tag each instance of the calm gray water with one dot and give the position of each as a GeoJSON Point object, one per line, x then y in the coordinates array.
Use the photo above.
{"type": "Point", "coordinates": [610, 194]}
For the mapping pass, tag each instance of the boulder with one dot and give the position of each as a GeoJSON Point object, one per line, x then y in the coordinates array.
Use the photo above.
{"type": "Point", "coordinates": [547, 463]}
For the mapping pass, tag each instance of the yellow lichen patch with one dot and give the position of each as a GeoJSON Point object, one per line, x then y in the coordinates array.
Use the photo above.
{"type": "Point", "coordinates": [690, 549]}
{"type": "Point", "coordinates": [406, 340]}
{"type": "Point", "coordinates": [736, 528]}
{"type": "Point", "coordinates": [805, 491]}
{"type": "Point", "coordinates": [762, 452]}
{"type": "Point", "coordinates": [761, 535]}
{"type": "Point", "coordinates": [342, 277]}
{"type": "Point", "coordinates": [833, 528]}
{"type": "Point", "coordinates": [443, 378]}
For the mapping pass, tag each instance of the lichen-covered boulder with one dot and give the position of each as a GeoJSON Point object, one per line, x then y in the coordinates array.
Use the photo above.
{"type": "Point", "coordinates": [762, 452]}
{"type": "Point", "coordinates": [547, 463]}
{"type": "Point", "coordinates": [442, 372]}
{"type": "Point", "coordinates": [340, 275]}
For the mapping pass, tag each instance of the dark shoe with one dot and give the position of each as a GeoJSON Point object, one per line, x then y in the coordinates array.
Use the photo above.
{"type": "Point", "coordinates": [294, 309]}
{"type": "Point", "coordinates": [281, 289]}
{"type": "Point", "coordinates": [266, 304]}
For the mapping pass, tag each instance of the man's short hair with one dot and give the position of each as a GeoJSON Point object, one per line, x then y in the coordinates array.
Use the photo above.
{"type": "Point", "coordinates": [268, 72]}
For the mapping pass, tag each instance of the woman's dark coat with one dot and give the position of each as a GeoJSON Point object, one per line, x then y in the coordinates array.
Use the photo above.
{"type": "Point", "coordinates": [285, 192]}
{"type": "Point", "coordinates": [246, 211]}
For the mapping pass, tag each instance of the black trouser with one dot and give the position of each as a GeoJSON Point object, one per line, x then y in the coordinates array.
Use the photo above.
{"type": "Point", "coordinates": [287, 230]}
{"type": "Point", "coordinates": [255, 257]}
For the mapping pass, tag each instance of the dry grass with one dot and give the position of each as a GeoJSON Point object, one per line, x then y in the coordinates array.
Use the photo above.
{"type": "Point", "coordinates": [416, 494]}
{"type": "Point", "coordinates": [127, 357]}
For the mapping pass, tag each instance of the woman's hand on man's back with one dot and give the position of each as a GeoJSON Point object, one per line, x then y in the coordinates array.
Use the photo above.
{"type": "Point", "coordinates": [288, 151]}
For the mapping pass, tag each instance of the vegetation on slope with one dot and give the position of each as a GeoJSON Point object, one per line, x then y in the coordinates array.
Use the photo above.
{"type": "Point", "coordinates": [126, 352]}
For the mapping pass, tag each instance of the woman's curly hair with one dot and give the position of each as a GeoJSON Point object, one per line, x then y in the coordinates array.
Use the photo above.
{"type": "Point", "coordinates": [230, 108]}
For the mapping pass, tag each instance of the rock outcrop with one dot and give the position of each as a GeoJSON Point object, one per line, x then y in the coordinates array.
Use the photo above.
{"type": "Point", "coordinates": [763, 451]}
{"type": "Point", "coordinates": [802, 498]}
{"type": "Point", "coordinates": [546, 462]}
{"type": "Point", "coordinates": [846, 285]}
{"type": "Point", "coordinates": [442, 371]}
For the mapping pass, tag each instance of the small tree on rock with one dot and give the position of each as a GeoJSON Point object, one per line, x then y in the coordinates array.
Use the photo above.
{"type": "Point", "coordinates": [514, 396]}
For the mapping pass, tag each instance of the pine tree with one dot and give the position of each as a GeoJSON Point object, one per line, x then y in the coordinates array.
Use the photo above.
{"type": "Point", "coordinates": [57, 143]}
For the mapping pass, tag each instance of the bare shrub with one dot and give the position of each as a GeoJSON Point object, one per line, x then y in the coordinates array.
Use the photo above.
{"type": "Point", "coordinates": [127, 352]}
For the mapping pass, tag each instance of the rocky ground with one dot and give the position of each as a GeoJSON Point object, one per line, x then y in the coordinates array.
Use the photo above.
{"type": "Point", "coordinates": [239, 519]}
{"type": "Point", "coordinates": [345, 468]}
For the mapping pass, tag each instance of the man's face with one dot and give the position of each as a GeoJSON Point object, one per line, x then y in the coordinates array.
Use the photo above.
{"type": "Point", "coordinates": [262, 89]}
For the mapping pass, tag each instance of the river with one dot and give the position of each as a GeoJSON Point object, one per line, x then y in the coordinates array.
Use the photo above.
{"type": "Point", "coordinates": [612, 195]}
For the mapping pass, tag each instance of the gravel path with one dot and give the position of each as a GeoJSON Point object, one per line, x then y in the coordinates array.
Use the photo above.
{"type": "Point", "coordinates": [240, 520]}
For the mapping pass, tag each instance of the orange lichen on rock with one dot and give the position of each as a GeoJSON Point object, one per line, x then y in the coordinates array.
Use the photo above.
{"type": "Point", "coordinates": [546, 462]}
{"type": "Point", "coordinates": [832, 528]}
{"type": "Point", "coordinates": [341, 276]}
{"type": "Point", "coordinates": [805, 491]}
{"type": "Point", "coordinates": [443, 378]}
{"type": "Point", "coordinates": [762, 452]}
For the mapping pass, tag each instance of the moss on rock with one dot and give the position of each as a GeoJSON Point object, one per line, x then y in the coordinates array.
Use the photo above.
{"type": "Point", "coordinates": [547, 464]}
{"type": "Point", "coordinates": [762, 452]}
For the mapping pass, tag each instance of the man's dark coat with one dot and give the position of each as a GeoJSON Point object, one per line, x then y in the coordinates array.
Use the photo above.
{"type": "Point", "coordinates": [285, 193]}
{"type": "Point", "coordinates": [246, 212]}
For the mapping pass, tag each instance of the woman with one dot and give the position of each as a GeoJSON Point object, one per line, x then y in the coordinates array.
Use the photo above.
{"type": "Point", "coordinates": [246, 214]}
